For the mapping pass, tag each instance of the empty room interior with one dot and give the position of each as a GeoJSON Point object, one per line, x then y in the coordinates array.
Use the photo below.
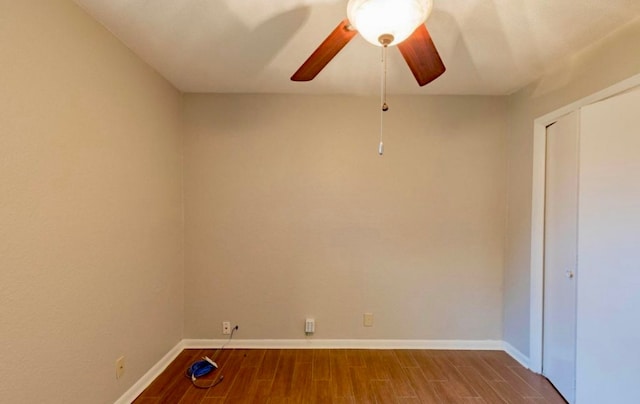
{"type": "Point", "coordinates": [162, 174]}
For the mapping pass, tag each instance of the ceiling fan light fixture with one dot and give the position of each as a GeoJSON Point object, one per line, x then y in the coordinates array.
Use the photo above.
{"type": "Point", "coordinates": [376, 19]}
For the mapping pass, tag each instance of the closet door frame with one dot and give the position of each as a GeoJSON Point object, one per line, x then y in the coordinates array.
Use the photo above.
{"type": "Point", "coordinates": [537, 212]}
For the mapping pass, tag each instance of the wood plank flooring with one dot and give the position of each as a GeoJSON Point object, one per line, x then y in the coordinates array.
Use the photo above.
{"type": "Point", "coordinates": [276, 376]}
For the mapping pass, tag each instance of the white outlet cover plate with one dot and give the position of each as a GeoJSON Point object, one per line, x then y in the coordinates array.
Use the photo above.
{"type": "Point", "coordinates": [119, 367]}
{"type": "Point", "coordinates": [368, 319]}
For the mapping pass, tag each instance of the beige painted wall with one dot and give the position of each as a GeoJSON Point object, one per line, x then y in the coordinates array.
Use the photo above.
{"type": "Point", "coordinates": [612, 59]}
{"type": "Point", "coordinates": [90, 208]}
{"type": "Point", "coordinates": [291, 213]}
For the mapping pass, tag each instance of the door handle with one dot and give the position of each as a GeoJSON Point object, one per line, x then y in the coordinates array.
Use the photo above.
{"type": "Point", "coordinates": [569, 274]}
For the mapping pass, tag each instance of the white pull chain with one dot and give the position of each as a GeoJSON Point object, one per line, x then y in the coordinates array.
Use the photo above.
{"type": "Point", "coordinates": [383, 97]}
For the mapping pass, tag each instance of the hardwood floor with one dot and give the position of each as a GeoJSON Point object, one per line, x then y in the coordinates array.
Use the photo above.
{"type": "Point", "coordinates": [353, 376]}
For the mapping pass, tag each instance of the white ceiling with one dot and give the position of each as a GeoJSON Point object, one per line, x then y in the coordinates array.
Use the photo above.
{"type": "Point", "coordinates": [254, 46]}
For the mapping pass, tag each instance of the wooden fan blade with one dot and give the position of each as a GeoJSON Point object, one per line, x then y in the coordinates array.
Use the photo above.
{"type": "Point", "coordinates": [421, 55]}
{"type": "Point", "coordinates": [327, 50]}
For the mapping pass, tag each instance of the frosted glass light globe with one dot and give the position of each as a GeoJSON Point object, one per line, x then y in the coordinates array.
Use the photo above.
{"type": "Point", "coordinates": [399, 18]}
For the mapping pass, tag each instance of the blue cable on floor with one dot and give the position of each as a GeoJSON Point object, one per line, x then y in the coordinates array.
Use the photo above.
{"type": "Point", "coordinates": [205, 366]}
{"type": "Point", "coordinates": [200, 368]}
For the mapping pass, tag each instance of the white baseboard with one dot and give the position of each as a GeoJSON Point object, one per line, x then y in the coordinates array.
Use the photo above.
{"type": "Point", "coordinates": [158, 368]}
{"type": "Point", "coordinates": [516, 354]}
{"type": "Point", "coordinates": [155, 371]}
{"type": "Point", "coordinates": [344, 344]}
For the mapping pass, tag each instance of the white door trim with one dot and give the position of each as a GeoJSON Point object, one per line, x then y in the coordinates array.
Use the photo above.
{"type": "Point", "coordinates": [537, 211]}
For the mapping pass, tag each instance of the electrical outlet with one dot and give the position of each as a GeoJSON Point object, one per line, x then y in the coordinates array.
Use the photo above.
{"type": "Point", "coordinates": [226, 327]}
{"type": "Point", "coordinates": [119, 367]}
{"type": "Point", "coordinates": [368, 320]}
{"type": "Point", "coordinates": [309, 326]}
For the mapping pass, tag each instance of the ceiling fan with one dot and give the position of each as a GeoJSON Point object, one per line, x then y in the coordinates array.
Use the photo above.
{"type": "Point", "coordinates": [383, 23]}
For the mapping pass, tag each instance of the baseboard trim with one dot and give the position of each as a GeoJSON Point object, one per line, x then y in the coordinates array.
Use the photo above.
{"type": "Point", "coordinates": [155, 371]}
{"type": "Point", "coordinates": [344, 344]}
{"type": "Point", "coordinates": [516, 354]}
{"type": "Point", "coordinates": [158, 368]}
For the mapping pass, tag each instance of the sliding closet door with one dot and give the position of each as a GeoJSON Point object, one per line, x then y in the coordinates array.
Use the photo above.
{"type": "Point", "coordinates": [608, 332]}
{"type": "Point", "coordinates": [560, 250]}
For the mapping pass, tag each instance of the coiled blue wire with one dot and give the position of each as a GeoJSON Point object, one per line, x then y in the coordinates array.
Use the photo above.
{"type": "Point", "coordinates": [200, 368]}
